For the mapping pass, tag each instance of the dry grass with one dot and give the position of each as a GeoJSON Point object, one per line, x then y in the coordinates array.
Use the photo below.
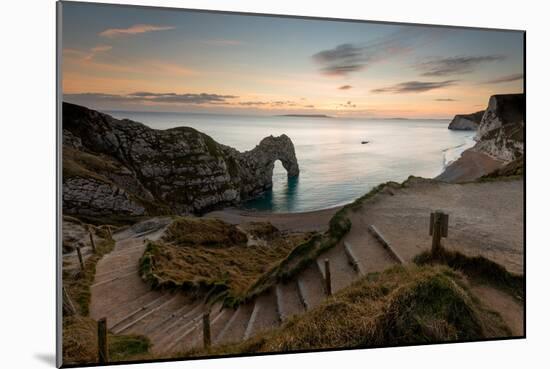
{"type": "Point", "coordinates": [208, 255]}
{"type": "Point", "coordinates": [80, 343]}
{"type": "Point", "coordinates": [403, 305]}
{"type": "Point", "coordinates": [477, 268]}
{"type": "Point", "coordinates": [187, 231]}
{"type": "Point", "coordinates": [512, 170]}
{"type": "Point", "coordinates": [78, 163]}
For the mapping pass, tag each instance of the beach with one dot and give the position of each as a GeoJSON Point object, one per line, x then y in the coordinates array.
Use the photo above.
{"type": "Point", "coordinates": [294, 222]}
{"type": "Point", "coordinates": [471, 165]}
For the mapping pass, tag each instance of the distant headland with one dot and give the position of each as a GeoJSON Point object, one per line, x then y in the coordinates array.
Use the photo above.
{"type": "Point", "coordinates": [305, 115]}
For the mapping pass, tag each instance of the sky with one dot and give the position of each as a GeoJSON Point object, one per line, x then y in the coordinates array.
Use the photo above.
{"type": "Point", "coordinates": [150, 59]}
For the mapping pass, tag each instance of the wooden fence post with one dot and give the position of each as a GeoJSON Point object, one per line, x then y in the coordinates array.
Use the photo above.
{"type": "Point", "coordinates": [102, 345]}
{"type": "Point", "coordinates": [439, 224]}
{"type": "Point", "coordinates": [328, 282]}
{"type": "Point", "coordinates": [206, 329]}
{"type": "Point", "coordinates": [92, 239]}
{"type": "Point", "coordinates": [80, 258]}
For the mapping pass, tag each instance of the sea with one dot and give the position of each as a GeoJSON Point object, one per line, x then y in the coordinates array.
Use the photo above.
{"type": "Point", "coordinates": [336, 166]}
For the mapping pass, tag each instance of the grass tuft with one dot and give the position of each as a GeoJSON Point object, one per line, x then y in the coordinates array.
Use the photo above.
{"type": "Point", "coordinates": [477, 268]}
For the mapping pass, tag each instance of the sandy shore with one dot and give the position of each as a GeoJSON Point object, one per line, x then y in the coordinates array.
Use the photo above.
{"type": "Point", "coordinates": [299, 222]}
{"type": "Point", "coordinates": [470, 166]}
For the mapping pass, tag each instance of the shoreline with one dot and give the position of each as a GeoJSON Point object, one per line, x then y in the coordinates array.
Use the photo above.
{"type": "Point", "coordinates": [315, 220]}
{"type": "Point", "coordinates": [470, 165]}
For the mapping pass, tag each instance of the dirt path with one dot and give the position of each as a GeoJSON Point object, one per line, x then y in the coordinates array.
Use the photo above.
{"type": "Point", "coordinates": [485, 218]}
{"type": "Point", "coordinates": [509, 308]}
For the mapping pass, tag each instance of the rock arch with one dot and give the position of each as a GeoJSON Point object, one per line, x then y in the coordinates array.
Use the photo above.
{"type": "Point", "coordinates": [259, 162]}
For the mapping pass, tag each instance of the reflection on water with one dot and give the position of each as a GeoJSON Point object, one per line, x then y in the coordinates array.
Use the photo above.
{"type": "Point", "coordinates": [282, 197]}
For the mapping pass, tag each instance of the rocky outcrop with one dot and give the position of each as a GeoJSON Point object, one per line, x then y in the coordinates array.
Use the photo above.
{"type": "Point", "coordinates": [499, 147]}
{"type": "Point", "coordinates": [113, 166]}
{"type": "Point", "coordinates": [501, 131]}
{"type": "Point", "coordinates": [466, 122]}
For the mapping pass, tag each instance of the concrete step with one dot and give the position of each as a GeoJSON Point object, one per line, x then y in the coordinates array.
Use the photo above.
{"type": "Point", "coordinates": [132, 319]}
{"type": "Point", "coordinates": [379, 236]}
{"type": "Point", "coordinates": [354, 261]}
{"type": "Point", "coordinates": [311, 286]}
{"type": "Point", "coordinates": [123, 314]}
{"type": "Point", "coordinates": [341, 269]}
{"type": "Point", "coordinates": [113, 304]}
{"type": "Point", "coordinates": [117, 272]}
{"type": "Point", "coordinates": [108, 280]}
{"type": "Point", "coordinates": [179, 327]}
{"type": "Point", "coordinates": [192, 338]}
{"type": "Point", "coordinates": [264, 315]}
{"type": "Point", "coordinates": [119, 291]}
{"type": "Point", "coordinates": [289, 302]}
{"type": "Point", "coordinates": [127, 244]}
{"type": "Point", "coordinates": [120, 305]}
{"type": "Point", "coordinates": [170, 323]}
{"type": "Point", "coordinates": [153, 321]}
{"type": "Point", "coordinates": [136, 249]}
{"type": "Point", "coordinates": [236, 326]}
{"type": "Point", "coordinates": [219, 322]}
{"type": "Point", "coordinates": [370, 254]}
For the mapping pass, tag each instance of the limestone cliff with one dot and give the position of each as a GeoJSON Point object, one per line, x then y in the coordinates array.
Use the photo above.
{"type": "Point", "coordinates": [466, 122]}
{"type": "Point", "coordinates": [501, 131]}
{"type": "Point", "coordinates": [499, 148]}
{"type": "Point", "coordinates": [122, 167]}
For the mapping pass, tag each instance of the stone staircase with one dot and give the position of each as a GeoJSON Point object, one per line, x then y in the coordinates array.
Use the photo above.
{"type": "Point", "coordinates": [173, 321]}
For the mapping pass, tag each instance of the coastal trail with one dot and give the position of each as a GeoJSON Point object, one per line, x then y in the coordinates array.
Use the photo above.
{"type": "Point", "coordinates": [485, 219]}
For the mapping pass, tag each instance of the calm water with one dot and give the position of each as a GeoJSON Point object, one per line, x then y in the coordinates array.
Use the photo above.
{"type": "Point", "coordinates": [335, 168]}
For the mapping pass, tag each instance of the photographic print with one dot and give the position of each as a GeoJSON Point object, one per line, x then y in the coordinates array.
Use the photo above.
{"type": "Point", "coordinates": [242, 184]}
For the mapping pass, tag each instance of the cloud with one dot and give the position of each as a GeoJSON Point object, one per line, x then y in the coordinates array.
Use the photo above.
{"type": "Point", "coordinates": [504, 79]}
{"type": "Point", "coordinates": [345, 87]}
{"type": "Point", "coordinates": [133, 30]}
{"type": "Point", "coordinates": [253, 103]}
{"type": "Point", "coordinates": [414, 87]}
{"type": "Point", "coordinates": [96, 50]}
{"type": "Point", "coordinates": [172, 98]}
{"type": "Point", "coordinates": [342, 60]}
{"type": "Point", "coordinates": [454, 65]}
{"type": "Point", "coordinates": [348, 58]}
{"type": "Point", "coordinates": [347, 105]}
{"type": "Point", "coordinates": [445, 100]}
{"type": "Point", "coordinates": [101, 48]}
{"type": "Point", "coordinates": [151, 97]}
{"type": "Point", "coordinates": [86, 55]}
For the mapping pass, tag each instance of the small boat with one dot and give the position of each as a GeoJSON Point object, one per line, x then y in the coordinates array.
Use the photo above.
{"type": "Point", "coordinates": [364, 142]}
